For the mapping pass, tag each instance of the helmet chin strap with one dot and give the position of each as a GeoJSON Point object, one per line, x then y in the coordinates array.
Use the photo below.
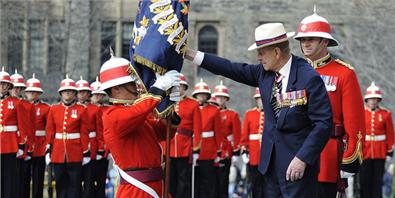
{"type": "Point", "coordinates": [131, 91]}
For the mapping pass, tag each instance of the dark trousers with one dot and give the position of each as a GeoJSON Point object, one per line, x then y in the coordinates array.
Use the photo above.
{"type": "Point", "coordinates": [371, 178]}
{"type": "Point", "coordinates": [276, 185]}
{"type": "Point", "coordinates": [37, 175]}
{"type": "Point", "coordinates": [8, 172]}
{"type": "Point", "coordinates": [327, 190]}
{"type": "Point", "coordinates": [180, 177]}
{"type": "Point", "coordinates": [205, 184]}
{"type": "Point", "coordinates": [100, 175]}
{"type": "Point", "coordinates": [23, 173]}
{"type": "Point", "coordinates": [256, 180]}
{"type": "Point", "coordinates": [223, 178]}
{"type": "Point", "coordinates": [88, 179]}
{"type": "Point", "coordinates": [68, 179]}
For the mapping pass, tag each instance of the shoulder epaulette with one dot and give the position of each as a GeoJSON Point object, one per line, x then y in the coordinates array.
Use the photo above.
{"type": "Point", "coordinates": [344, 64]}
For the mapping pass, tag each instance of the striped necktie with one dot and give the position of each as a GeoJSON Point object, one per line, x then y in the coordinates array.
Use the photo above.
{"type": "Point", "coordinates": [277, 85]}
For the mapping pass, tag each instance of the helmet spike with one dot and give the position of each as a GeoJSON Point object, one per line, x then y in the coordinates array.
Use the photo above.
{"type": "Point", "coordinates": [16, 71]}
{"type": "Point", "coordinates": [2, 68]}
{"type": "Point", "coordinates": [315, 9]}
{"type": "Point", "coordinates": [97, 78]}
{"type": "Point", "coordinates": [67, 75]}
{"type": "Point", "coordinates": [34, 75]}
{"type": "Point", "coordinates": [201, 79]}
{"type": "Point", "coordinates": [221, 82]}
{"type": "Point", "coordinates": [81, 77]}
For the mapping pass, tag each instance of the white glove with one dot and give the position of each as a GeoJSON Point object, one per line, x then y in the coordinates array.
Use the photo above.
{"type": "Point", "coordinates": [344, 174]}
{"type": "Point", "coordinates": [235, 159]}
{"type": "Point", "coordinates": [175, 94]}
{"type": "Point", "coordinates": [195, 157]}
{"type": "Point", "coordinates": [217, 159]}
{"type": "Point", "coordinates": [47, 159]}
{"type": "Point", "coordinates": [85, 160]}
{"type": "Point", "coordinates": [99, 157]}
{"type": "Point", "coordinates": [19, 153]}
{"type": "Point", "coordinates": [245, 158]}
{"type": "Point", "coordinates": [168, 80]}
{"type": "Point", "coordinates": [27, 158]}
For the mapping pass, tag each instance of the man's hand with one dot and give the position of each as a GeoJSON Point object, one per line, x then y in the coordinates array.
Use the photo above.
{"type": "Point", "coordinates": [344, 174]}
{"type": "Point", "coordinates": [86, 158]}
{"type": "Point", "coordinates": [175, 94]}
{"type": "Point", "coordinates": [295, 169]}
{"type": "Point", "coordinates": [168, 80]}
{"type": "Point", "coordinates": [21, 149]}
{"type": "Point", "coordinates": [190, 54]}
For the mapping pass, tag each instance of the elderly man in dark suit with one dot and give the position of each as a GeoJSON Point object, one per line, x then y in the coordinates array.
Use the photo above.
{"type": "Point", "coordinates": [298, 116]}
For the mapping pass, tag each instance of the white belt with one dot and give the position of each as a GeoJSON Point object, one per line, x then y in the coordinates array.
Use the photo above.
{"type": "Point", "coordinates": [207, 134]}
{"type": "Point", "coordinates": [9, 128]}
{"type": "Point", "coordinates": [40, 133]}
{"type": "Point", "coordinates": [255, 136]}
{"type": "Point", "coordinates": [375, 137]}
{"type": "Point", "coordinates": [67, 135]}
{"type": "Point", "coordinates": [230, 138]}
{"type": "Point", "coordinates": [92, 134]}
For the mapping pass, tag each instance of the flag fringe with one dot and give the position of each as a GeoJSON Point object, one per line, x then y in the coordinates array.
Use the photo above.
{"type": "Point", "coordinates": [145, 62]}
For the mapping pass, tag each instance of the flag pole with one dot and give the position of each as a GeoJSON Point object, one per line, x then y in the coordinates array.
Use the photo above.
{"type": "Point", "coordinates": [167, 165]}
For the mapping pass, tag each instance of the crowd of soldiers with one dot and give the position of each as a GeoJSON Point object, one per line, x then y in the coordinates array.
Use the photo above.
{"type": "Point", "coordinates": [67, 134]}
{"type": "Point", "coordinates": [77, 135]}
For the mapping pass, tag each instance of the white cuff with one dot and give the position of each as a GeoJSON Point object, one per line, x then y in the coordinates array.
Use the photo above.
{"type": "Point", "coordinates": [198, 58]}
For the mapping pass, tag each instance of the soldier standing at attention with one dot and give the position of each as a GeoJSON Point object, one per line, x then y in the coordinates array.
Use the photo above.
{"type": "Point", "coordinates": [251, 144]}
{"type": "Point", "coordinates": [185, 142]}
{"type": "Point", "coordinates": [12, 120]}
{"type": "Point", "coordinates": [378, 143]}
{"type": "Point", "coordinates": [33, 92]}
{"type": "Point", "coordinates": [231, 141]}
{"type": "Point", "coordinates": [338, 161]}
{"type": "Point", "coordinates": [67, 141]}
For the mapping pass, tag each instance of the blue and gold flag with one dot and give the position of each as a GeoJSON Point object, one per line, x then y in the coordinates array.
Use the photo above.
{"type": "Point", "coordinates": [159, 41]}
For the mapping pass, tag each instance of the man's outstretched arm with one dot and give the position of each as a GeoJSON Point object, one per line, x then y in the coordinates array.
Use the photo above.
{"type": "Point", "coordinates": [240, 72]}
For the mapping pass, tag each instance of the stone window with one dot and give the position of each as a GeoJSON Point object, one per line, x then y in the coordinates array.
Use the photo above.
{"type": "Point", "coordinates": [207, 42]}
{"type": "Point", "coordinates": [36, 44]}
{"type": "Point", "coordinates": [127, 28]}
{"type": "Point", "coordinates": [208, 39]}
{"type": "Point", "coordinates": [108, 33]}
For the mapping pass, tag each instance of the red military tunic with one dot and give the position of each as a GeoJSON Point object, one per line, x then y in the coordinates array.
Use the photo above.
{"type": "Point", "coordinates": [347, 107]}
{"type": "Point", "coordinates": [211, 137]}
{"type": "Point", "coordinates": [41, 114]}
{"type": "Point", "coordinates": [67, 132]}
{"type": "Point", "coordinates": [99, 129]}
{"type": "Point", "coordinates": [379, 138]}
{"type": "Point", "coordinates": [191, 124]}
{"type": "Point", "coordinates": [231, 132]}
{"type": "Point", "coordinates": [95, 141]}
{"type": "Point", "coordinates": [133, 139]}
{"type": "Point", "coordinates": [252, 132]}
{"type": "Point", "coordinates": [12, 119]}
{"type": "Point", "coordinates": [29, 119]}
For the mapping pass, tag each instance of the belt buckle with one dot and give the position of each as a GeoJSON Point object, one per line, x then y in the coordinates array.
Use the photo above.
{"type": "Point", "coordinates": [64, 135]}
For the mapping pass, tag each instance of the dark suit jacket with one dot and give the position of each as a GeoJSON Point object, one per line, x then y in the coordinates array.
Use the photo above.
{"type": "Point", "coordinates": [300, 131]}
